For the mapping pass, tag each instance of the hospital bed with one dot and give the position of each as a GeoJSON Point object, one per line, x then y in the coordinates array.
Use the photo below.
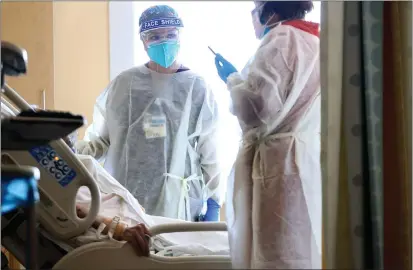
{"type": "Point", "coordinates": [62, 176]}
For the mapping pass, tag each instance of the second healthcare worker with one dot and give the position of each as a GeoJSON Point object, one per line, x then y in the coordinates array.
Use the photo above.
{"type": "Point", "coordinates": [274, 199]}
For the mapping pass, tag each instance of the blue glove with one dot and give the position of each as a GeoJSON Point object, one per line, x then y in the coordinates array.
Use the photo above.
{"type": "Point", "coordinates": [213, 209]}
{"type": "Point", "coordinates": [224, 67]}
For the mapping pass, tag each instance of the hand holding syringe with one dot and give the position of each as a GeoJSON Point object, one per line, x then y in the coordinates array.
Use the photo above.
{"type": "Point", "coordinates": [224, 67]}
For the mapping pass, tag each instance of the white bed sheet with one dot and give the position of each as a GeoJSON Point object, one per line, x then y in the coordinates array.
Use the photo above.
{"type": "Point", "coordinates": [117, 201]}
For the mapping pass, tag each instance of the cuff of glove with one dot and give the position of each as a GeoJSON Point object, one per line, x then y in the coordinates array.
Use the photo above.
{"type": "Point", "coordinates": [233, 80]}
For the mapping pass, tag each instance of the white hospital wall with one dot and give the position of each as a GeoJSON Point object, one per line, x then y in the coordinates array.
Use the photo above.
{"type": "Point", "coordinates": [123, 29]}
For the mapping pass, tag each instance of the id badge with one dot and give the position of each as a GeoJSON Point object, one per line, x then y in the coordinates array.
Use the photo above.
{"type": "Point", "coordinates": [154, 127]}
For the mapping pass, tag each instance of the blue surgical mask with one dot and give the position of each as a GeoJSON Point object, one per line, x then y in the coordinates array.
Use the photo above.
{"type": "Point", "coordinates": [164, 54]}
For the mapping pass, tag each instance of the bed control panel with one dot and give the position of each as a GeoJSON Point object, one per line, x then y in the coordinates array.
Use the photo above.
{"type": "Point", "coordinates": [47, 158]}
{"type": "Point", "coordinates": [59, 170]}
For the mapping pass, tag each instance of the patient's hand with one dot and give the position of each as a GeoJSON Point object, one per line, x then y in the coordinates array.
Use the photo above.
{"type": "Point", "coordinates": [138, 237]}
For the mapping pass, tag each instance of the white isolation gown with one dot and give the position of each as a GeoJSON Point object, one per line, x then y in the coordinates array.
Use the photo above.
{"type": "Point", "coordinates": [274, 199]}
{"type": "Point", "coordinates": [157, 134]}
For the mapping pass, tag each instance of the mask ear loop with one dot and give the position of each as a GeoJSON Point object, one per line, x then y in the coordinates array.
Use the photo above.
{"type": "Point", "coordinates": [273, 25]}
{"type": "Point", "coordinates": [268, 20]}
{"type": "Point", "coordinates": [280, 22]}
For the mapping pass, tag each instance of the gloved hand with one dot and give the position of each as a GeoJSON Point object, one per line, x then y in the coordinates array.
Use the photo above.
{"type": "Point", "coordinates": [213, 209]}
{"type": "Point", "coordinates": [224, 67]}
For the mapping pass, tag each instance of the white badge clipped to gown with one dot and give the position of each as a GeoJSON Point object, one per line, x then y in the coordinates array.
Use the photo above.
{"type": "Point", "coordinates": [154, 126]}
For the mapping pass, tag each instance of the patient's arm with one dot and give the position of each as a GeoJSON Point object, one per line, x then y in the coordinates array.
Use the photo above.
{"type": "Point", "coordinates": [138, 236]}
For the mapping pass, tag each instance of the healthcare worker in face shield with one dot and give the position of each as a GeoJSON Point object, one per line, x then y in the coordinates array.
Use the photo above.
{"type": "Point", "coordinates": [274, 205]}
{"type": "Point", "coordinates": [155, 127]}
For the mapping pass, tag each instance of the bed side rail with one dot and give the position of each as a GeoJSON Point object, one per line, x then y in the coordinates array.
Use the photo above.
{"type": "Point", "coordinates": [189, 227]}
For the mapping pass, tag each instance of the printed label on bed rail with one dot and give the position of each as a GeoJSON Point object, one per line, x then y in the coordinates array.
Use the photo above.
{"type": "Point", "coordinates": [47, 157]}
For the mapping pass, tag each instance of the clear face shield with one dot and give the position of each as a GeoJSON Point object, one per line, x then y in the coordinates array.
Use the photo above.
{"type": "Point", "coordinates": [162, 35]}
